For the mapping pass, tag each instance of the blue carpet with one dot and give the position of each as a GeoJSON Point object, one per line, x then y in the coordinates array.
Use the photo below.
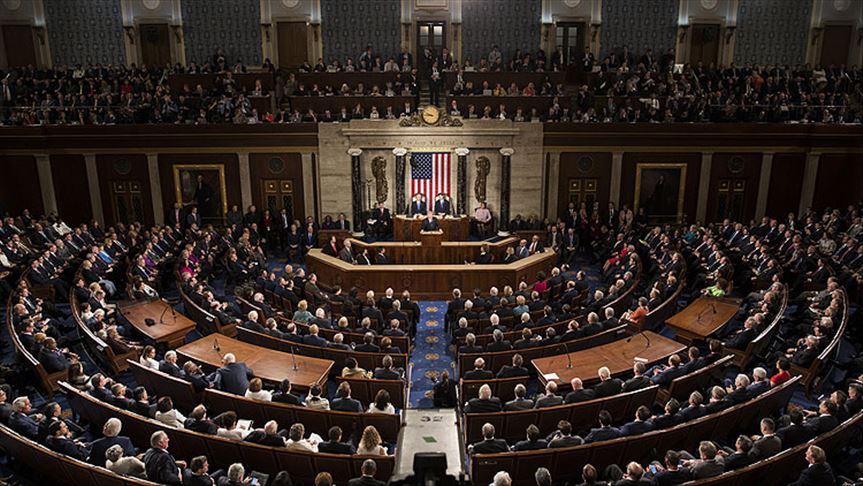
{"type": "Point", "coordinates": [431, 354]}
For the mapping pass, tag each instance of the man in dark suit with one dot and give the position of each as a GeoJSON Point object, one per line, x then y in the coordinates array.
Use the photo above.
{"type": "Point", "coordinates": [563, 437]}
{"type": "Point", "coordinates": [346, 254]}
{"type": "Point", "coordinates": [607, 385]}
{"type": "Point", "coordinates": [708, 465]}
{"type": "Point", "coordinates": [343, 401]}
{"type": "Point", "coordinates": [193, 218]}
{"type": "Point", "coordinates": [478, 372]}
{"type": "Point", "coordinates": [825, 421]}
{"type": "Point", "coordinates": [484, 403]}
{"type": "Point", "coordinates": [533, 441]}
{"type": "Point", "coordinates": [369, 468]}
{"type": "Point", "coordinates": [551, 398]}
{"type": "Point", "coordinates": [818, 472]}
{"type": "Point", "coordinates": [430, 223]}
{"type": "Point", "coordinates": [160, 465]}
{"type": "Point", "coordinates": [741, 455]}
{"type": "Point", "coordinates": [672, 474]}
{"type": "Point", "coordinates": [52, 358]}
{"type": "Point", "coordinates": [640, 425]}
{"type": "Point", "coordinates": [110, 431]}
{"type": "Point", "coordinates": [498, 342]}
{"type": "Point", "coordinates": [638, 381]}
{"type": "Point", "coordinates": [175, 215]}
{"type": "Point", "coordinates": [489, 445]}
{"type": "Point", "coordinates": [387, 372]}
{"type": "Point", "coordinates": [442, 204]}
{"type": "Point", "coordinates": [520, 402]}
{"type": "Point", "coordinates": [418, 206]}
{"type": "Point", "coordinates": [335, 444]}
{"type": "Point", "coordinates": [58, 440]}
{"type": "Point", "coordinates": [284, 395]}
{"type": "Point", "coordinates": [232, 377]}
{"type": "Point", "coordinates": [605, 430]}
{"type": "Point", "coordinates": [578, 393]}
{"type": "Point", "coordinates": [516, 369]}
{"type": "Point", "coordinates": [312, 337]}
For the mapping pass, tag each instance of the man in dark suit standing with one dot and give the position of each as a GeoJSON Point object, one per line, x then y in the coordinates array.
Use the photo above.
{"type": "Point", "coordinates": [175, 215]}
{"type": "Point", "coordinates": [382, 220]}
{"type": "Point", "coordinates": [430, 223]}
{"type": "Point", "coordinates": [232, 377]}
{"type": "Point", "coordinates": [160, 465]}
{"type": "Point", "coordinates": [193, 218]}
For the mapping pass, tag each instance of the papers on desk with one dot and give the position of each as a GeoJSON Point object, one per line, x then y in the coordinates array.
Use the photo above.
{"type": "Point", "coordinates": [551, 376]}
{"type": "Point", "coordinates": [639, 360]}
{"type": "Point", "coordinates": [244, 425]}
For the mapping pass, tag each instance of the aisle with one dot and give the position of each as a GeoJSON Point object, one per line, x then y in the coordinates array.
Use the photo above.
{"type": "Point", "coordinates": [431, 353]}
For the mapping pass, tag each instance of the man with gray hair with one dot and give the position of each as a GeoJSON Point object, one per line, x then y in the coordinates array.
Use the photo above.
{"type": "Point", "coordinates": [111, 432]}
{"type": "Point", "coordinates": [169, 365]}
{"type": "Point", "coordinates": [233, 377]}
{"type": "Point", "coordinates": [160, 465]}
{"type": "Point", "coordinates": [760, 382]}
{"type": "Point", "coordinates": [498, 343]}
{"type": "Point", "coordinates": [502, 479]}
{"type": "Point", "coordinates": [236, 473]}
{"type": "Point", "coordinates": [488, 444]}
{"type": "Point", "coordinates": [520, 402]}
{"type": "Point", "coordinates": [484, 403]}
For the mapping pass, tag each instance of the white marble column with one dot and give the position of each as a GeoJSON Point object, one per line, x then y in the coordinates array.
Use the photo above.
{"type": "Point", "coordinates": [93, 186]}
{"type": "Point", "coordinates": [46, 183]}
{"type": "Point", "coordinates": [245, 180]}
{"type": "Point", "coordinates": [614, 184]}
{"type": "Point", "coordinates": [156, 188]}
{"type": "Point", "coordinates": [764, 184]}
{"type": "Point", "coordinates": [703, 186]}
{"type": "Point", "coordinates": [810, 173]}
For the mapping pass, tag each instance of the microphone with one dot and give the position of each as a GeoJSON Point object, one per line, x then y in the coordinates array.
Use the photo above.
{"type": "Point", "coordinates": [162, 316]}
{"type": "Point", "coordinates": [216, 346]}
{"type": "Point", "coordinates": [568, 357]}
{"type": "Point", "coordinates": [642, 334]}
{"type": "Point", "coordinates": [713, 306]}
{"type": "Point", "coordinates": [293, 359]}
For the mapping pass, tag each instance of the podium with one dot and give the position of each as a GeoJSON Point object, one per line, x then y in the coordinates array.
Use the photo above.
{"type": "Point", "coordinates": [406, 228]}
{"type": "Point", "coordinates": [431, 239]}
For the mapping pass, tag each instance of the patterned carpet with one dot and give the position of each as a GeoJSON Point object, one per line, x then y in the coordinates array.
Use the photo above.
{"type": "Point", "coordinates": [431, 354]}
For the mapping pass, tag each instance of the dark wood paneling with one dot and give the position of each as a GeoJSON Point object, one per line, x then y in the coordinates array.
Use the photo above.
{"type": "Point", "coordinates": [18, 40]}
{"type": "Point", "coordinates": [155, 44]}
{"type": "Point", "coordinates": [293, 48]}
{"type": "Point", "coordinates": [835, 44]}
{"type": "Point", "coordinates": [19, 185]}
{"type": "Point", "coordinates": [292, 169]}
{"type": "Point", "coordinates": [229, 161]}
{"type": "Point", "coordinates": [786, 182]}
{"type": "Point", "coordinates": [123, 167]}
{"type": "Point", "coordinates": [693, 171]}
{"type": "Point", "coordinates": [839, 180]}
{"type": "Point", "coordinates": [569, 168]}
{"type": "Point", "coordinates": [70, 187]}
{"type": "Point", "coordinates": [750, 173]}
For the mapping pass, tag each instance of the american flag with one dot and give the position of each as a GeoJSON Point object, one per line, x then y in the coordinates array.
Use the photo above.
{"type": "Point", "coordinates": [430, 174]}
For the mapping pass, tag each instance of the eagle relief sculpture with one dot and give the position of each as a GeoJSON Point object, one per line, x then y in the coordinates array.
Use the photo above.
{"type": "Point", "coordinates": [379, 170]}
{"type": "Point", "coordinates": [483, 165]}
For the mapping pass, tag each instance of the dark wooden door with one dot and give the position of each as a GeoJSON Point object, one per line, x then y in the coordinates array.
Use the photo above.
{"type": "Point", "coordinates": [18, 40]}
{"type": "Point", "coordinates": [835, 46]}
{"type": "Point", "coordinates": [293, 45]}
{"type": "Point", "coordinates": [278, 194]}
{"type": "Point", "coordinates": [432, 36]}
{"type": "Point", "coordinates": [570, 40]}
{"type": "Point", "coordinates": [155, 47]}
{"type": "Point", "coordinates": [704, 45]}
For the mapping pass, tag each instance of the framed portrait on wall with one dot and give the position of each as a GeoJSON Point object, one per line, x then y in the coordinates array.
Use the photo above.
{"type": "Point", "coordinates": [659, 191]}
{"type": "Point", "coordinates": [203, 186]}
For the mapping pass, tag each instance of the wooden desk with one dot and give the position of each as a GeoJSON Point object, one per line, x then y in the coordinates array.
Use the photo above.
{"type": "Point", "coordinates": [319, 104]}
{"type": "Point", "coordinates": [432, 281]}
{"type": "Point", "coordinates": [269, 365]}
{"type": "Point", "coordinates": [173, 328]}
{"type": "Point", "coordinates": [443, 252]}
{"type": "Point", "coordinates": [407, 228]}
{"type": "Point", "coordinates": [702, 318]}
{"type": "Point", "coordinates": [617, 356]}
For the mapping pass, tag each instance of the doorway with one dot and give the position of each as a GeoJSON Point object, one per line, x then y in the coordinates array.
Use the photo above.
{"type": "Point", "coordinates": [292, 44]}
{"type": "Point", "coordinates": [431, 39]}
{"type": "Point", "coordinates": [20, 50]}
{"type": "Point", "coordinates": [570, 41]}
{"type": "Point", "coordinates": [835, 45]}
{"type": "Point", "coordinates": [704, 44]}
{"type": "Point", "coordinates": [155, 44]}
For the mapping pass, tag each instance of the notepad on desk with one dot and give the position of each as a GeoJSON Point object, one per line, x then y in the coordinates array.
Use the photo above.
{"type": "Point", "coordinates": [551, 376]}
{"type": "Point", "coordinates": [640, 360]}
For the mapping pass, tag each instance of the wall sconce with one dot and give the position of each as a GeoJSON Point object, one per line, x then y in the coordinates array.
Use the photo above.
{"type": "Point", "coordinates": [178, 33]}
{"type": "Point", "coordinates": [594, 31]}
{"type": "Point", "coordinates": [729, 33]}
{"type": "Point", "coordinates": [39, 30]}
{"type": "Point", "coordinates": [266, 26]}
{"type": "Point", "coordinates": [683, 30]}
{"type": "Point", "coordinates": [816, 34]}
{"type": "Point", "coordinates": [547, 28]}
{"type": "Point", "coordinates": [130, 33]}
{"type": "Point", "coordinates": [316, 28]}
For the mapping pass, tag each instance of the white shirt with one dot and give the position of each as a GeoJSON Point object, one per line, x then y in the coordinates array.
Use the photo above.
{"type": "Point", "coordinates": [263, 395]}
